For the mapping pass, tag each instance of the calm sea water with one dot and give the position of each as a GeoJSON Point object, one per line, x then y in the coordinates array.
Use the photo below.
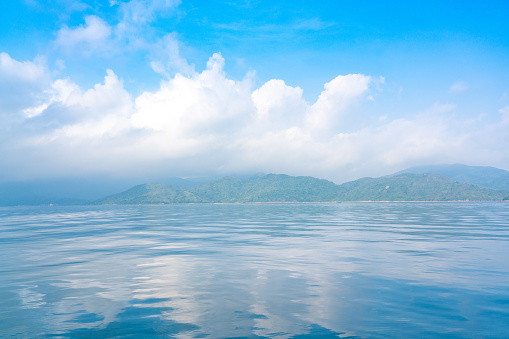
{"type": "Point", "coordinates": [360, 270]}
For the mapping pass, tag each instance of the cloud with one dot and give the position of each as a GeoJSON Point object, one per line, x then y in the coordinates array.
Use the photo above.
{"type": "Point", "coordinates": [279, 106]}
{"type": "Point", "coordinates": [205, 123]}
{"type": "Point", "coordinates": [439, 108]}
{"type": "Point", "coordinates": [207, 103]}
{"type": "Point", "coordinates": [505, 114]}
{"type": "Point", "coordinates": [132, 29]}
{"type": "Point", "coordinates": [139, 14]}
{"type": "Point", "coordinates": [27, 71]}
{"type": "Point", "coordinates": [90, 116]}
{"type": "Point", "coordinates": [291, 28]}
{"type": "Point", "coordinates": [325, 115]}
{"type": "Point", "coordinates": [458, 87]}
{"type": "Point", "coordinates": [22, 85]}
{"type": "Point", "coordinates": [195, 121]}
{"type": "Point", "coordinates": [167, 59]}
{"type": "Point", "coordinates": [64, 7]}
{"type": "Point", "coordinates": [93, 35]}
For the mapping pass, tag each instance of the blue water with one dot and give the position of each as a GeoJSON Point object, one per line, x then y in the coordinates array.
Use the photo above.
{"type": "Point", "coordinates": [359, 270]}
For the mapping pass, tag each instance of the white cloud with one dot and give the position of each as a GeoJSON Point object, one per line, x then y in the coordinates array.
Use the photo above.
{"type": "Point", "coordinates": [197, 117]}
{"type": "Point", "coordinates": [167, 57]}
{"type": "Point", "coordinates": [505, 115]}
{"type": "Point", "coordinates": [138, 14]}
{"type": "Point", "coordinates": [205, 123]}
{"type": "Point", "coordinates": [279, 106]}
{"type": "Point", "coordinates": [439, 108]}
{"type": "Point", "coordinates": [27, 71]}
{"type": "Point", "coordinates": [99, 111]}
{"type": "Point", "coordinates": [94, 35]}
{"type": "Point", "coordinates": [22, 85]}
{"type": "Point", "coordinates": [127, 31]}
{"type": "Point", "coordinates": [458, 87]}
{"type": "Point", "coordinates": [326, 113]}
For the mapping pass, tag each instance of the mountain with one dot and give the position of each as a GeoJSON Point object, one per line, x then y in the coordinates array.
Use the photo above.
{"type": "Point", "coordinates": [409, 184]}
{"type": "Point", "coordinates": [484, 176]}
{"type": "Point", "coordinates": [75, 191]}
{"type": "Point", "coordinates": [284, 188]}
{"type": "Point", "coordinates": [268, 188]}
{"type": "Point", "coordinates": [415, 187]}
{"type": "Point", "coordinates": [151, 194]}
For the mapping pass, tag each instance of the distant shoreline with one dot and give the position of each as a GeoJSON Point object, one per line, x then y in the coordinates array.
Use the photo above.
{"type": "Point", "coordinates": [270, 203]}
{"type": "Point", "coordinates": [298, 202]}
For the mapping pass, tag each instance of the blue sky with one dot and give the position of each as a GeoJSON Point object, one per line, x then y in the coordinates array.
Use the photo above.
{"type": "Point", "coordinates": [334, 89]}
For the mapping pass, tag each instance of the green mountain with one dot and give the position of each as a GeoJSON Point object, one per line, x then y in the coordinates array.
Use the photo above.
{"type": "Point", "coordinates": [268, 188]}
{"type": "Point", "coordinates": [484, 176]}
{"type": "Point", "coordinates": [415, 187]}
{"type": "Point", "coordinates": [284, 188]}
{"type": "Point", "coordinates": [151, 194]}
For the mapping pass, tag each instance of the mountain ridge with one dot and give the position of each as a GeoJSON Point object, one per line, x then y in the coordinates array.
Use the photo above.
{"type": "Point", "coordinates": [483, 176]}
{"type": "Point", "coordinates": [262, 188]}
{"type": "Point", "coordinates": [285, 188]}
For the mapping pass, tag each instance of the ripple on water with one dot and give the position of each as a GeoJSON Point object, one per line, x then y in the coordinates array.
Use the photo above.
{"type": "Point", "coordinates": [266, 270]}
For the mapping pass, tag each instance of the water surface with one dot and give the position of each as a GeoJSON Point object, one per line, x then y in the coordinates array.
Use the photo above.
{"type": "Point", "coordinates": [360, 270]}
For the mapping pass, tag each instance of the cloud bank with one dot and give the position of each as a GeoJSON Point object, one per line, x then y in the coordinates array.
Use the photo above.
{"type": "Point", "coordinates": [204, 123]}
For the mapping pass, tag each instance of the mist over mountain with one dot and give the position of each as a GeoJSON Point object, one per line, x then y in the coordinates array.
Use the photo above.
{"type": "Point", "coordinates": [415, 187]}
{"type": "Point", "coordinates": [484, 176]}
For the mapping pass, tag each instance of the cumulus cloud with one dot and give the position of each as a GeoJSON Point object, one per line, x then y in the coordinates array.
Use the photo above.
{"type": "Point", "coordinates": [79, 118]}
{"type": "Point", "coordinates": [198, 106]}
{"type": "Point", "coordinates": [279, 106]}
{"type": "Point", "coordinates": [205, 123]}
{"type": "Point", "coordinates": [325, 115]}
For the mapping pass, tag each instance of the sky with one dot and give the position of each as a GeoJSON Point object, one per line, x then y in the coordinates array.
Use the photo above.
{"type": "Point", "coordinates": [339, 90]}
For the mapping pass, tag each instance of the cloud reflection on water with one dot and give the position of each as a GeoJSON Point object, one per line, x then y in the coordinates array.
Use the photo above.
{"type": "Point", "coordinates": [259, 270]}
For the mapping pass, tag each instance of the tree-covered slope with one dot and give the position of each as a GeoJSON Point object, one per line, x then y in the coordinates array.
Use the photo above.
{"type": "Point", "coordinates": [284, 188]}
{"type": "Point", "coordinates": [414, 187]}
{"type": "Point", "coordinates": [484, 176]}
{"type": "Point", "coordinates": [151, 194]}
{"type": "Point", "coordinates": [268, 188]}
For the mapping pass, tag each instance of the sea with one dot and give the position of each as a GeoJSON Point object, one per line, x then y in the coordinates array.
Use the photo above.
{"type": "Point", "coordinates": [344, 270]}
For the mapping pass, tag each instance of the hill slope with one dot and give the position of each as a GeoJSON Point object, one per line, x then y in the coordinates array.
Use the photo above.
{"type": "Point", "coordinates": [484, 176]}
{"type": "Point", "coordinates": [414, 187]}
{"type": "Point", "coordinates": [151, 194]}
{"type": "Point", "coordinates": [268, 188]}
{"type": "Point", "coordinates": [284, 188]}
